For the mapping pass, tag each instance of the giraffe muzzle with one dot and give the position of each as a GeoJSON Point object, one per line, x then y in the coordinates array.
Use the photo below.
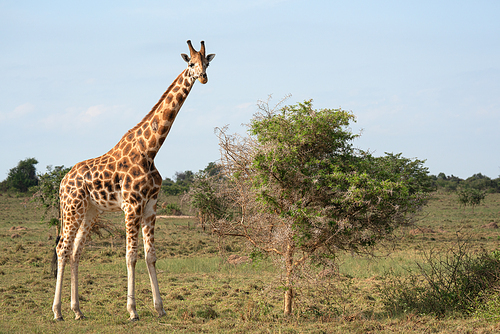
{"type": "Point", "coordinates": [203, 78]}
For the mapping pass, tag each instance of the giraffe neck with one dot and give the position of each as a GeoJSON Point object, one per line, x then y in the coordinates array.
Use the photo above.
{"type": "Point", "coordinates": [149, 134]}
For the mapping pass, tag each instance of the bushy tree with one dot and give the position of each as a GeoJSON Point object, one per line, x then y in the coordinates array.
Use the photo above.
{"type": "Point", "coordinates": [183, 181]}
{"type": "Point", "coordinates": [297, 189]}
{"type": "Point", "coordinates": [212, 169]}
{"type": "Point", "coordinates": [46, 194]}
{"type": "Point", "coordinates": [184, 177]}
{"type": "Point", "coordinates": [470, 197]}
{"type": "Point", "coordinates": [170, 188]}
{"type": "Point", "coordinates": [448, 183]}
{"type": "Point", "coordinates": [23, 176]}
{"type": "Point", "coordinates": [482, 182]}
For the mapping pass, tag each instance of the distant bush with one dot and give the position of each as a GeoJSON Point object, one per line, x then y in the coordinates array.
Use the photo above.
{"type": "Point", "coordinates": [448, 183]}
{"type": "Point", "coordinates": [184, 180]}
{"type": "Point", "coordinates": [170, 209]}
{"type": "Point", "coordinates": [22, 177]}
{"type": "Point", "coordinates": [181, 185]}
{"type": "Point", "coordinates": [46, 194]}
{"type": "Point", "coordinates": [484, 183]}
{"type": "Point", "coordinates": [171, 188]}
{"type": "Point", "coordinates": [470, 197]}
{"type": "Point", "coordinates": [477, 181]}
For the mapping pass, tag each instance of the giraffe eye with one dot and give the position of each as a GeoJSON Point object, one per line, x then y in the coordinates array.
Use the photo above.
{"type": "Point", "coordinates": [191, 64]}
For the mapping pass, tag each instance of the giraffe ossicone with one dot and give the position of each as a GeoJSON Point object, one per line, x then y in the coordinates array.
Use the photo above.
{"type": "Point", "coordinates": [125, 178]}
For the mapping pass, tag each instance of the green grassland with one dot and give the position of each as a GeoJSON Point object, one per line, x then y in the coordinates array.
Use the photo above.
{"type": "Point", "coordinates": [203, 293]}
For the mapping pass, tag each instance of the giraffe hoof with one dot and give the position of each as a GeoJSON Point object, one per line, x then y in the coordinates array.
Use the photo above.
{"type": "Point", "coordinates": [59, 319]}
{"type": "Point", "coordinates": [80, 317]}
{"type": "Point", "coordinates": [134, 319]}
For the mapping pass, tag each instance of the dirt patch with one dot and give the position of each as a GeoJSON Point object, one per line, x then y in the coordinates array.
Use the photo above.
{"type": "Point", "coordinates": [327, 273]}
{"type": "Point", "coordinates": [17, 228]}
{"type": "Point", "coordinates": [490, 225]}
{"type": "Point", "coordinates": [236, 259]}
{"type": "Point", "coordinates": [422, 230]}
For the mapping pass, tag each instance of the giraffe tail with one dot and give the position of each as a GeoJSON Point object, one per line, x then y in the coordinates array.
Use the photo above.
{"type": "Point", "coordinates": [59, 238]}
{"type": "Point", "coordinates": [54, 257]}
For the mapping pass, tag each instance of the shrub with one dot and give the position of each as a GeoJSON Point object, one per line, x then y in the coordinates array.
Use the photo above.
{"type": "Point", "coordinates": [470, 196]}
{"type": "Point", "coordinates": [456, 281]}
{"type": "Point", "coordinates": [22, 177]}
{"type": "Point", "coordinates": [170, 209]}
{"type": "Point", "coordinates": [46, 194]}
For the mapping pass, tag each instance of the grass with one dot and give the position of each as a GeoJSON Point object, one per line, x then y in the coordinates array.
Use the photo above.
{"type": "Point", "coordinates": [203, 293]}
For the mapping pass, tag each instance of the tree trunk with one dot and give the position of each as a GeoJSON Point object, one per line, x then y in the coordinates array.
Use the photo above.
{"type": "Point", "coordinates": [288, 301]}
{"type": "Point", "coordinates": [288, 280]}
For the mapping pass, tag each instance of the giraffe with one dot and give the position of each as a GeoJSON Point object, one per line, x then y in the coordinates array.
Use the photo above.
{"type": "Point", "coordinates": [125, 178]}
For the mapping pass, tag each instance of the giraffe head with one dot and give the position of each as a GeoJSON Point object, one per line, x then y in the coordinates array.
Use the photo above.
{"type": "Point", "coordinates": [198, 62]}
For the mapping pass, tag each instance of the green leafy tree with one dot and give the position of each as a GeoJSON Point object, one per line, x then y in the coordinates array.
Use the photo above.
{"type": "Point", "coordinates": [298, 190]}
{"type": "Point", "coordinates": [170, 188]}
{"type": "Point", "coordinates": [477, 181]}
{"type": "Point", "coordinates": [448, 183]}
{"type": "Point", "coordinates": [46, 194]}
{"type": "Point", "coordinates": [470, 197]}
{"type": "Point", "coordinates": [463, 197]}
{"type": "Point", "coordinates": [23, 176]}
{"type": "Point", "coordinates": [212, 169]}
{"type": "Point", "coordinates": [183, 180]}
{"type": "Point", "coordinates": [482, 182]}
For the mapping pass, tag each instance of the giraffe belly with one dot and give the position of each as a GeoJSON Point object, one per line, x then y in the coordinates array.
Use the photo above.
{"type": "Point", "coordinates": [110, 202]}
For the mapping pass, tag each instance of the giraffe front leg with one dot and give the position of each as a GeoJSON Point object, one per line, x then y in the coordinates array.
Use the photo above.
{"type": "Point", "coordinates": [150, 257]}
{"type": "Point", "coordinates": [75, 302]}
{"type": "Point", "coordinates": [131, 257]}
{"type": "Point", "coordinates": [56, 306]}
{"type": "Point", "coordinates": [131, 307]}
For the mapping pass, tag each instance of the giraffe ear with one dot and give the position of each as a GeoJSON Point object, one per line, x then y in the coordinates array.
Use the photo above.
{"type": "Point", "coordinates": [185, 57]}
{"type": "Point", "coordinates": [210, 57]}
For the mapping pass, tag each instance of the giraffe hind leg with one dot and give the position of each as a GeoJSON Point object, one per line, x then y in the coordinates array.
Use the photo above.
{"type": "Point", "coordinates": [91, 216]}
{"type": "Point", "coordinates": [72, 218]}
{"type": "Point", "coordinates": [132, 227]}
{"type": "Point", "coordinates": [61, 251]}
{"type": "Point", "coordinates": [148, 226]}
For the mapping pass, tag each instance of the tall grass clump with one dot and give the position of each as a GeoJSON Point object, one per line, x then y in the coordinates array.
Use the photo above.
{"type": "Point", "coordinates": [454, 281]}
{"type": "Point", "coordinates": [490, 308]}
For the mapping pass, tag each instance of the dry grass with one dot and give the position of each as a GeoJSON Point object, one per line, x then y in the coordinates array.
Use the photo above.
{"type": "Point", "coordinates": [203, 293]}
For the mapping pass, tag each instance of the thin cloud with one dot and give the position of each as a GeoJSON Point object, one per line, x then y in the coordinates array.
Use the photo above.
{"type": "Point", "coordinates": [18, 112]}
{"type": "Point", "coordinates": [77, 119]}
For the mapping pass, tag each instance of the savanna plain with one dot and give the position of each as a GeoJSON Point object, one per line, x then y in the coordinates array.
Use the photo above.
{"type": "Point", "coordinates": [203, 292]}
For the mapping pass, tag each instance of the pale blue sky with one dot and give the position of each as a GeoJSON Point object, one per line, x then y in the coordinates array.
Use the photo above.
{"type": "Point", "coordinates": [422, 77]}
